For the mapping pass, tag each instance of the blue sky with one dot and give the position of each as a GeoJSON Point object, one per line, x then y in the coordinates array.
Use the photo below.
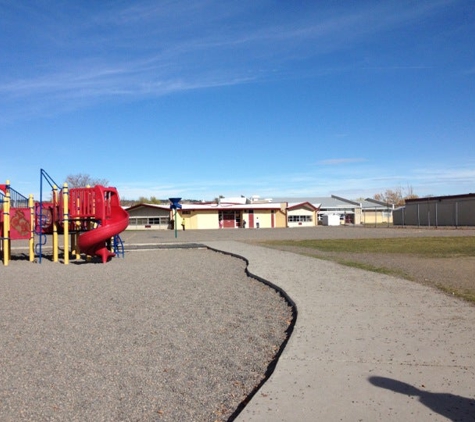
{"type": "Point", "coordinates": [210, 97]}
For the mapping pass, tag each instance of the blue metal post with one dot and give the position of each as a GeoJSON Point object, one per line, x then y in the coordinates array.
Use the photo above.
{"type": "Point", "coordinates": [174, 205]}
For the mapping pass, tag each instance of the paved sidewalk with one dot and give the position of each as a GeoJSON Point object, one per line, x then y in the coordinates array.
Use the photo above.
{"type": "Point", "coordinates": [366, 347]}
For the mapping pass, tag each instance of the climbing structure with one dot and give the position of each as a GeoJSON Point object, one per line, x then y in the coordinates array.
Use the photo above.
{"type": "Point", "coordinates": [98, 213]}
{"type": "Point", "coordinates": [89, 218]}
{"type": "Point", "coordinates": [91, 215]}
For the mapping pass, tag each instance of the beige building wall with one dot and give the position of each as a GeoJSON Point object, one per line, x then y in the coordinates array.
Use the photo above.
{"type": "Point", "coordinates": [301, 212]}
{"type": "Point", "coordinates": [207, 220]}
{"type": "Point", "coordinates": [376, 217]}
{"type": "Point", "coordinates": [358, 215]}
{"type": "Point", "coordinates": [198, 220]}
{"type": "Point", "coordinates": [281, 219]}
{"type": "Point", "coordinates": [265, 218]}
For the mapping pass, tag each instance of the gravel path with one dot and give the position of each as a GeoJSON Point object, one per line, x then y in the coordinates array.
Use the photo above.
{"type": "Point", "coordinates": [163, 335]}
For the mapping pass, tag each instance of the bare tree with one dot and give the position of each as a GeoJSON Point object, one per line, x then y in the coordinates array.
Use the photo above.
{"type": "Point", "coordinates": [81, 180]}
{"type": "Point", "coordinates": [410, 193]}
{"type": "Point", "coordinates": [397, 196]}
{"type": "Point", "coordinates": [151, 200]}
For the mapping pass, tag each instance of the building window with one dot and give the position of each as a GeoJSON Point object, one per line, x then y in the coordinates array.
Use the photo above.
{"type": "Point", "coordinates": [300, 219]}
{"type": "Point", "coordinates": [149, 221]}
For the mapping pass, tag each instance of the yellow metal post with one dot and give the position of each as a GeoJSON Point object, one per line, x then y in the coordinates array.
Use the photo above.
{"type": "Point", "coordinates": [55, 226]}
{"type": "Point", "coordinates": [66, 222]}
{"type": "Point", "coordinates": [6, 225]}
{"type": "Point", "coordinates": [75, 244]}
{"type": "Point", "coordinates": [31, 206]}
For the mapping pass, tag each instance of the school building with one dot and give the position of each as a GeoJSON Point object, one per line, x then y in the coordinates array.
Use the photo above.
{"type": "Point", "coordinates": [233, 213]}
{"type": "Point", "coordinates": [208, 216]}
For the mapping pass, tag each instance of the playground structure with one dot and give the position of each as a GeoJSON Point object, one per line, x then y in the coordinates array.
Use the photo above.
{"type": "Point", "coordinates": [89, 218]}
{"type": "Point", "coordinates": [16, 220]}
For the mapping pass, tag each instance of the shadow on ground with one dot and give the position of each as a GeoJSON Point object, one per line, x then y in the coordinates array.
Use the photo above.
{"type": "Point", "coordinates": [453, 407]}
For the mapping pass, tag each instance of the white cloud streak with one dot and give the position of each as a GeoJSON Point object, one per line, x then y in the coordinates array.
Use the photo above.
{"type": "Point", "coordinates": [152, 50]}
{"type": "Point", "coordinates": [351, 184]}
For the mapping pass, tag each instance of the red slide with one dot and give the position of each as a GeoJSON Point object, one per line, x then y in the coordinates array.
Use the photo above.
{"type": "Point", "coordinates": [94, 242]}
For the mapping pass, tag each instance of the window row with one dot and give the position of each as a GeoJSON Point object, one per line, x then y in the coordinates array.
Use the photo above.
{"type": "Point", "coordinates": [140, 221]}
{"type": "Point", "coordinates": [299, 219]}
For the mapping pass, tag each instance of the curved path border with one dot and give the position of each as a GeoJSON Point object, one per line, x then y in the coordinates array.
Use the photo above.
{"type": "Point", "coordinates": [365, 346]}
{"type": "Point", "coordinates": [289, 331]}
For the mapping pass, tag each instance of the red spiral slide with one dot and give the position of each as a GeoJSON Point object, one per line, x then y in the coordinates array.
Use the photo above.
{"type": "Point", "coordinates": [112, 222]}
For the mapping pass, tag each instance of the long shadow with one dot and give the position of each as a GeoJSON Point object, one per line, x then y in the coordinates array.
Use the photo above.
{"type": "Point", "coordinates": [453, 407]}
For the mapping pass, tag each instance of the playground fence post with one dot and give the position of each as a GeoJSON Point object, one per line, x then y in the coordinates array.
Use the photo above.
{"type": "Point", "coordinates": [31, 206]}
{"type": "Point", "coordinates": [66, 223]}
{"type": "Point", "coordinates": [55, 225]}
{"type": "Point", "coordinates": [6, 225]}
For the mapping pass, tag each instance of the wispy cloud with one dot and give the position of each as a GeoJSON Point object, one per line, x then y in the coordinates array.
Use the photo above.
{"type": "Point", "coordinates": [152, 50]}
{"type": "Point", "coordinates": [340, 161]}
{"type": "Point", "coordinates": [365, 182]}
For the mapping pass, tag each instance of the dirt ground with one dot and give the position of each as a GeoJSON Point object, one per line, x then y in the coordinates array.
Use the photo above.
{"type": "Point", "coordinates": [452, 275]}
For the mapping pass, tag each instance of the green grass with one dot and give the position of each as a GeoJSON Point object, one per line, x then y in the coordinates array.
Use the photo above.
{"type": "Point", "coordinates": [429, 247]}
{"type": "Point", "coordinates": [465, 294]}
{"type": "Point", "coordinates": [422, 247]}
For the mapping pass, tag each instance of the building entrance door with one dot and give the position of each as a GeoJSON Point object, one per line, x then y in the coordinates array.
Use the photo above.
{"type": "Point", "coordinates": [251, 219]}
{"type": "Point", "coordinates": [229, 219]}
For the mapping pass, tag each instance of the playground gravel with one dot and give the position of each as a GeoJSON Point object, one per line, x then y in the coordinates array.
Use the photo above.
{"type": "Point", "coordinates": [161, 335]}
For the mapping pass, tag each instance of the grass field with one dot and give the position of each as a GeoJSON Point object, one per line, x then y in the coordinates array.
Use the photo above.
{"type": "Point", "coordinates": [444, 262]}
{"type": "Point", "coordinates": [430, 247]}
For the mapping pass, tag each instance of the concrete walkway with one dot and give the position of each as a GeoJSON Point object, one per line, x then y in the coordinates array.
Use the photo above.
{"type": "Point", "coordinates": [366, 347]}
